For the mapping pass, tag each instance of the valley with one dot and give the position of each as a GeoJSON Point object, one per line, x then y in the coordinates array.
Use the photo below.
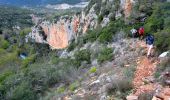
{"type": "Point", "coordinates": [70, 50]}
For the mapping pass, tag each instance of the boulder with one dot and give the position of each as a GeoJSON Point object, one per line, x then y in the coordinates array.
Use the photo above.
{"type": "Point", "coordinates": [132, 97]}
{"type": "Point", "coordinates": [164, 54]}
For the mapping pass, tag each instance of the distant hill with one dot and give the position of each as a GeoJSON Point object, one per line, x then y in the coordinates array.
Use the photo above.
{"type": "Point", "coordinates": [38, 2]}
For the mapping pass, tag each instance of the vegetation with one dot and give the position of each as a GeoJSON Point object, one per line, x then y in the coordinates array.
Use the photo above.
{"type": "Point", "coordinates": [157, 24]}
{"type": "Point", "coordinates": [74, 85]}
{"type": "Point", "coordinates": [30, 78]}
{"type": "Point", "coordinates": [83, 55]}
{"type": "Point", "coordinates": [61, 89]}
{"type": "Point", "coordinates": [105, 55]}
{"type": "Point", "coordinates": [13, 16]}
{"type": "Point", "coordinates": [121, 88]}
{"type": "Point", "coordinates": [93, 70]}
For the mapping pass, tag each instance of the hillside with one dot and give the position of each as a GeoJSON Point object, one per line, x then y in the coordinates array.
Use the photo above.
{"type": "Point", "coordinates": [90, 55]}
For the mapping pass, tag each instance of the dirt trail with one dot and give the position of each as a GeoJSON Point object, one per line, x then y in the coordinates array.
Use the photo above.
{"type": "Point", "coordinates": [145, 69]}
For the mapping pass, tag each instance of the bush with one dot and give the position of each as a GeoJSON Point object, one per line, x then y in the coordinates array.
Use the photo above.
{"type": "Point", "coordinates": [61, 89]}
{"type": "Point", "coordinates": [25, 31]}
{"type": "Point", "coordinates": [28, 61]}
{"type": "Point", "coordinates": [8, 58]}
{"type": "Point", "coordinates": [23, 92]}
{"type": "Point", "coordinates": [121, 85]}
{"type": "Point", "coordinates": [71, 46]}
{"type": "Point", "coordinates": [83, 55]}
{"type": "Point", "coordinates": [107, 33]}
{"type": "Point", "coordinates": [93, 70]}
{"type": "Point", "coordinates": [4, 43]}
{"type": "Point", "coordinates": [106, 36]}
{"type": "Point", "coordinates": [129, 72]}
{"type": "Point", "coordinates": [157, 24]}
{"type": "Point", "coordinates": [153, 25]}
{"type": "Point", "coordinates": [91, 36]}
{"type": "Point", "coordinates": [100, 19]}
{"type": "Point", "coordinates": [74, 85]}
{"type": "Point", "coordinates": [105, 55]}
{"type": "Point", "coordinates": [5, 75]}
{"type": "Point", "coordinates": [162, 40]}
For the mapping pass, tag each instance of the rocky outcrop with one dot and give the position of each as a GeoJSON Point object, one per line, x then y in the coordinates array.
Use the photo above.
{"type": "Point", "coordinates": [127, 6]}
{"type": "Point", "coordinates": [59, 34]}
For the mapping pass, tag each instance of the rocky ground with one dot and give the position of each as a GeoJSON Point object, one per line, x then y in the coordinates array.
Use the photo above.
{"type": "Point", "coordinates": [130, 64]}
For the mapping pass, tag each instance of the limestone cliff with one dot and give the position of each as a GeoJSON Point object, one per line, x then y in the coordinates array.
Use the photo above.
{"type": "Point", "coordinates": [59, 34]}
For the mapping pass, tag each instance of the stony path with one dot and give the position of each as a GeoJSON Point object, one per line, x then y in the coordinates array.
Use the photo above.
{"type": "Point", "coordinates": [144, 79]}
{"type": "Point", "coordinates": [145, 69]}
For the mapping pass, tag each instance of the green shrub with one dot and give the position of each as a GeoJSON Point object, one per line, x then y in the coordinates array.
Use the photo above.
{"type": "Point", "coordinates": [157, 74]}
{"type": "Point", "coordinates": [157, 24]}
{"type": "Point", "coordinates": [93, 70]}
{"type": "Point", "coordinates": [23, 92]}
{"type": "Point", "coordinates": [105, 55]}
{"type": "Point", "coordinates": [83, 55]}
{"type": "Point", "coordinates": [8, 58]}
{"type": "Point", "coordinates": [153, 25]}
{"type": "Point", "coordinates": [28, 61]}
{"type": "Point", "coordinates": [71, 46]}
{"type": "Point", "coordinates": [129, 72]}
{"type": "Point", "coordinates": [162, 40]}
{"type": "Point", "coordinates": [4, 43]}
{"type": "Point", "coordinates": [107, 33]}
{"type": "Point", "coordinates": [61, 89]}
{"type": "Point", "coordinates": [25, 31]}
{"type": "Point", "coordinates": [106, 36]}
{"type": "Point", "coordinates": [91, 36]}
{"type": "Point", "coordinates": [5, 75]}
{"type": "Point", "coordinates": [74, 85]}
{"type": "Point", "coordinates": [100, 19]}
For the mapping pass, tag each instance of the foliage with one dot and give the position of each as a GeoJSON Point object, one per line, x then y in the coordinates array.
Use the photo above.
{"type": "Point", "coordinates": [74, 85]}
{"type": "Point", "coordinates": [157, 24]}
{"type": "Point", "coordinates": [13, 16]}
{"type": "Point", "coordinates": [121, 88]}
{"type": "Point", "coordinates": [5, 75]}
{"type": "Point", "coordinates": [92, 35]}
{"type": "Point", "coordinates": [9, 57]}
{"type": "Point", "coordinates": [107, 33]}
{"type": "Point", "coordinates": [162, 40]}
{"type": "Point", "coordinates": [23, 92]}
{"type": "Point", "coordinates": [105, 55]}
{"type": "Point", "coordinates": [25, 31]}
{"type": "Point", "coordinates": [83, 55]}
{"type": "Point", "coordinates": [4, 43]}
{"type": "Point", "coordinates": [28, 60]}
{"type": "Point", "coordinates": [72, 46]}
{"type": "Point", "coordinates": [61, 89]}
{"type": "Point", "coordinates": [93, 70]}
{"type": "Point", "coordinates": [129, 72]}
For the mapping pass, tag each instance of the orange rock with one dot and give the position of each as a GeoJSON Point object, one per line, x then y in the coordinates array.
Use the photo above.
{"type": "Point", "coordinates": [56, 36]}
{"type": "Point", "coordinates": [167, 91]}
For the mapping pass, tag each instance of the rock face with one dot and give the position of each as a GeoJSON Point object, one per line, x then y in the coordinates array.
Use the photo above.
{"type": "Point", "coordinates": [59, 34]}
